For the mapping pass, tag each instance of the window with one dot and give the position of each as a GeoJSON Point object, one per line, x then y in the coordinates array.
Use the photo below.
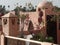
{"type": "Point", "coordinates": [39, 20]}
{"type": "Point", "coordinates": [46, 8]}
{"type": "Point", "coordinates": [39, 9]}
{"type": "Point", "coordinates": [13, 21]}
{"type": "Point", "coordinates": [18, 21]}
{"type": "Point", "coordinates": [41, 13]}
{"type": "Point", "coordinates": [30, 27]}
{"type": "Point", "coordinates": [5, 21]}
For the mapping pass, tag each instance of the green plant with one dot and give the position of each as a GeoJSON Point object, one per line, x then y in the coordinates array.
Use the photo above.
{"type": "Point", "coordinates": [41, 37]}
{"type": "Point", "coordinates": [49, 39]}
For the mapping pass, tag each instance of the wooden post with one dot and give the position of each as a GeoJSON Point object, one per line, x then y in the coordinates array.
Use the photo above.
{"type": "Point", "coordinates": [2, 39]}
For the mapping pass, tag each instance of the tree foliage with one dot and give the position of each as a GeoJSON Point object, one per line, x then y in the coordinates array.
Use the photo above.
{"type": "Point", "coordinates": [56, 9]}
{"type": "Point", "coordinates": [2, 10]}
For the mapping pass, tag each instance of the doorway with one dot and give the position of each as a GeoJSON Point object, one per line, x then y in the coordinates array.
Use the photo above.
{"type": "Point", "coordinates": [51, 27]}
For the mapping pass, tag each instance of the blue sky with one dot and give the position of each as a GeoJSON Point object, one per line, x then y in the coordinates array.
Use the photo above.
{"type": "Point", "coordinates": [12, 3]}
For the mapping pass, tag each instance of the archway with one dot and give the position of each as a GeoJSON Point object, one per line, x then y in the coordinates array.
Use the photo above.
{"type": "Point", "coordinates": [51, 27]}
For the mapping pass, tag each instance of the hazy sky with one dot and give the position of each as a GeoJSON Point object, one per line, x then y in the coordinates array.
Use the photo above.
{"type": "Point", "coordinates": [12, 3]}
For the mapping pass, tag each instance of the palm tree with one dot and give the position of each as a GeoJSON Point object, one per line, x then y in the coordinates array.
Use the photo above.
{"type": "Point", "coordinates": [56, 16]}
{"type": "Point", "coordinates": [30, 6]}
{"type": "Point", "coordinates": [17, 10]}
{"type": "Point", "coordinates": [4, 10]}
{"type": "Point", "coordinates": [0, 6]}
{"type": "Point", "coordinates": [56, 9]}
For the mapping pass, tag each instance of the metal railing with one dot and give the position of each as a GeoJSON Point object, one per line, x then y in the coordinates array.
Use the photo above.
{"type": "Point", "coordinates": [9, 40]}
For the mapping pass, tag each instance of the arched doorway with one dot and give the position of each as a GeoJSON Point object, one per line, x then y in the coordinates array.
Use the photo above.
{"type": "Point", "coordinates": [51, 27]}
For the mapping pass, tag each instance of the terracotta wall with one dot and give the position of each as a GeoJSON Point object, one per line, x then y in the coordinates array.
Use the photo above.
{"type": "Point", "coordinates": [13, 28]}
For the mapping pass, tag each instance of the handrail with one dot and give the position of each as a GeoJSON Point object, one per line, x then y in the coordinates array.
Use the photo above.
{"type": "Point", "coordinates": [16, 38]}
